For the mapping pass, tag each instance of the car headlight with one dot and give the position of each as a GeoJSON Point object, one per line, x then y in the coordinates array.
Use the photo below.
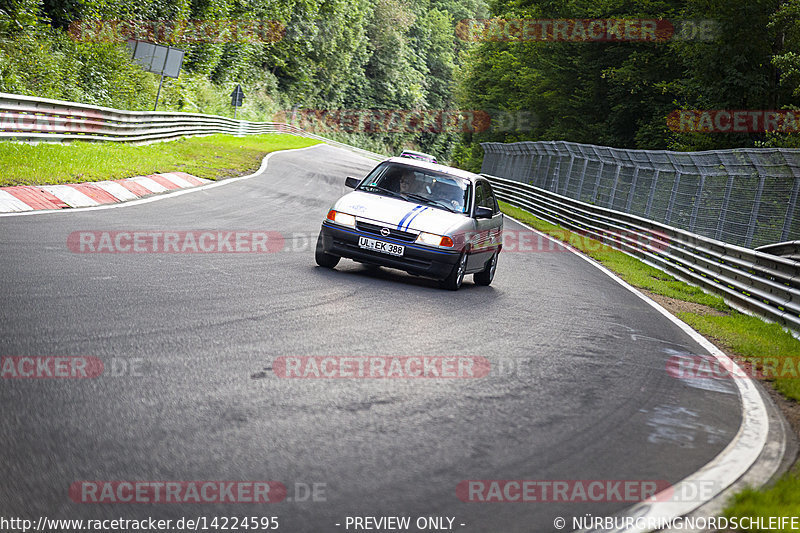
{"type": "Point", "coordinates": [342, 218]}
{"type": "Point", "coordinates": [434, 240]}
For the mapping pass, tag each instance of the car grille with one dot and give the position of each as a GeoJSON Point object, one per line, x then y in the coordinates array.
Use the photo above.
{"type": "Point", "coordinates": [374, 229]}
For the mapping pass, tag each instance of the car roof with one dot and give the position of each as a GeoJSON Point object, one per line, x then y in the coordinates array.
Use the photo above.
{"type": "Point", "coordinates": [444, 169]}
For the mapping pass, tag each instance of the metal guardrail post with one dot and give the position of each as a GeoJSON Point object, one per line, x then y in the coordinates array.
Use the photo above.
{"type": "Point", "coordinates": [506, 163]}
{"type": "Point", "coordinates": [696, 203]}
{"type": "Point", "coordinates": [539, 161]}
{"type": "Point", "coordinates": [724, 210]}
{"type": "Point", "coordinates": [754, 213]}
{"type": "Point", "coordinates": [517, 162]}
{"type": "Point", "coordinates": [614, 187]}
{"type": "Point", "coordinates": [531, 159]}
{"type": "Point", "coordinates": [544, 178]}
{"type": "Point", "coordinates": [597, 181]}
{"type": "Point", "coordinates": [569, 172]}
{"type": "Point", "coordinates": [554, 174]}
{"type": "Point", "coordinates": [790, 210]}
{"type": "Point", "coordinates": [672, 196]}
{"type": "Point", "coordinates": [632, 193]}
{"type": "Point", "coordinates": [583, 175]}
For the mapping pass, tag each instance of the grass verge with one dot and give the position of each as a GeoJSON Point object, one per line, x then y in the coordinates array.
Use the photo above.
{"type": "Point", "coordinates": [741, 336]}
{"type": "Point", "coordinates": [213, 157]}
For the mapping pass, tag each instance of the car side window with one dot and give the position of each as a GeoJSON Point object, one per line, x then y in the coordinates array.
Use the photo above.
{"type": "Point", "coordinates": [485, 197]}
{"type": "Point", "coordinates": [479, 197]}
{"type": "Point", "coordinates": [489, 199]}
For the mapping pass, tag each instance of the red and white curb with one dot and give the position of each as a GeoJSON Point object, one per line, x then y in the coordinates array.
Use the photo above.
{"type": "Point", "coordinates": [37, 197]}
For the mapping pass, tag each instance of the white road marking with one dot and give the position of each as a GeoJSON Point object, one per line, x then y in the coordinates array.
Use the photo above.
{"type": "Point", "coordinates": [116, 190]}
{"type": "Point", "coordinates": [69, 195]}
{"type": "Point", "coordinates": [738, 455]}
{"type": "Point", "coordinates": [9, 202]}
{"type": "Point", "coordinates": [177, 180]}
{"type": "Point", "coordinates": [148, 184]}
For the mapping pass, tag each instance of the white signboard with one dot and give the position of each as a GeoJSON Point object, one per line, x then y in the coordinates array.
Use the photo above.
{"type": "Point", "coordinates": [156, 58]}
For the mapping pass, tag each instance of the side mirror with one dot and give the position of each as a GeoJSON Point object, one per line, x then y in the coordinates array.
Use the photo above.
{"type": "Point", "coordinates": [483, 212]}
{"type": "Point", "coordinates": [352, 182]}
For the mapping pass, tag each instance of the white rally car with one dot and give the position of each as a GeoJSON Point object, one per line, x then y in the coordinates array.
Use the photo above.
{"type": "Point", "coordinates": [427, 219]}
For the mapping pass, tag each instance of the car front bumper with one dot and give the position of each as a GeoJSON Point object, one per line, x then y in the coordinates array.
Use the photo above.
{"type": "Point", "coordinates": [420, 260]}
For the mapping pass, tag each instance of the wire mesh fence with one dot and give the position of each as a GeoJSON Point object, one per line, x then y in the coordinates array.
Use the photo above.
{"type": "Point", "coordinates": [747, 197]}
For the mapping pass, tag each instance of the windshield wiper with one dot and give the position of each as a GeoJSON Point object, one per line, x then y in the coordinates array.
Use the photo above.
{"type": "Point", "coordinates": [381, 189]}
{"type": "Point", "coordinates": [410, 195]}
{"type": "Point", "coordinates": [430, 201]}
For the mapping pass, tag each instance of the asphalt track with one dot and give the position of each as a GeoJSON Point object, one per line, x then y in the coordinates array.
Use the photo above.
{"type": "Point", "coordinates": [578, 388]}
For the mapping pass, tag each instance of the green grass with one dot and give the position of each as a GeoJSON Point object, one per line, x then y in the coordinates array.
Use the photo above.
{"type": "Point", "coordinates": [781, 499]}
{"type": "Point", "coordinates": [628, 268]}
{"type": "Point", "coordinates": [755, 340]}
{"type": "Point", "coordinates": [745, 336]}
{"type": "Point", "coordinates": [212, 157]}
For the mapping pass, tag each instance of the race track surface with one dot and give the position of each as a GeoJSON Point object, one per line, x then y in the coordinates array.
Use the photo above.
{"type": "Point", "coordinates": [578, 388]}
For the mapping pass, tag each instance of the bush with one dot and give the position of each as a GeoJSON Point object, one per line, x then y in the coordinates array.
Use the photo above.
{"type": "Point", "coordinates": [46, 63]}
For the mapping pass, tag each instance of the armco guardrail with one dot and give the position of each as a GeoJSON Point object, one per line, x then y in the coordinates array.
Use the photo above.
{"type": "Point", "coordinates": [26, 118]}
{"type": "Point", "coordinates": [790, 249]}
{"type": "Point", "coordinates": [764, 284]}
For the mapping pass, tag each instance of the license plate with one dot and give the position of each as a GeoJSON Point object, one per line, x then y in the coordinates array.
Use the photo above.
{"type": "Point", "coordinates": [380, 246]}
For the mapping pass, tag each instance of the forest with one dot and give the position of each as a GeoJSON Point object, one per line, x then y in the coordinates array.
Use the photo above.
{"type": "Point", "coordinates": [607, 72]}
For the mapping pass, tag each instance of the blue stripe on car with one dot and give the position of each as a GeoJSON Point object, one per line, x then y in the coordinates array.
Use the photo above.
{"type": "Point", "coordinates": [410, 220]}
{"type": "Point", "coordinates": [400, 225]}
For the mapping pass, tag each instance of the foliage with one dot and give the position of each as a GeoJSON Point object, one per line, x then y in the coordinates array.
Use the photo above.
{"type": "Point", "coordinates": [332, 54]}
{"type": "Point", "coordinates": [406, 55]}
{"type": "Point", "coordinates": [733, 55]}
{"type": "Point", "coordinates": [45, 62]}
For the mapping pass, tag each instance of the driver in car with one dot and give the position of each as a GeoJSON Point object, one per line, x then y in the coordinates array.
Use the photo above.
{"type": "Point", "coordinates": [450, 194]}
{"type": "Point", "coordinates": [408, 183]}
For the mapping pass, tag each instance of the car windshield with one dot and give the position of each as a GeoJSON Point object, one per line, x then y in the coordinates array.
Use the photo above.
{"type": "Point", "coordinates": [436, 189]}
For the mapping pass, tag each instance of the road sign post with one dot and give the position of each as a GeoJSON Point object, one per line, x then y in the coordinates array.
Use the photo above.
{"type": "Point", "coordinates": [158, 59]}
{"type": "Point", "coordinates": [236, 98]}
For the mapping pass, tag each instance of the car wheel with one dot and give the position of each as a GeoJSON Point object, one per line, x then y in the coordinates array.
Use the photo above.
{"type": "Point", "coordinates": [324, 259]}
{"type": "Point", "coordinates": [456, 277]}
{"type": "Point", "coordinates": [485, 277]}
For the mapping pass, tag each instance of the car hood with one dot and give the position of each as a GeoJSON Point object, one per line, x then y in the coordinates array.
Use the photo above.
{"type": "Point", "coordinates": [398, 213]}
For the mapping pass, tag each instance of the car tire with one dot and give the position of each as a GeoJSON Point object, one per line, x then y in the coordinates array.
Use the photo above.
{"type": "Point", "coordinates": [485, 277]}
{"type": "Point", "coordinates": [456, 277]}
{"type": "Point", "coordinates": [324, 259]}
